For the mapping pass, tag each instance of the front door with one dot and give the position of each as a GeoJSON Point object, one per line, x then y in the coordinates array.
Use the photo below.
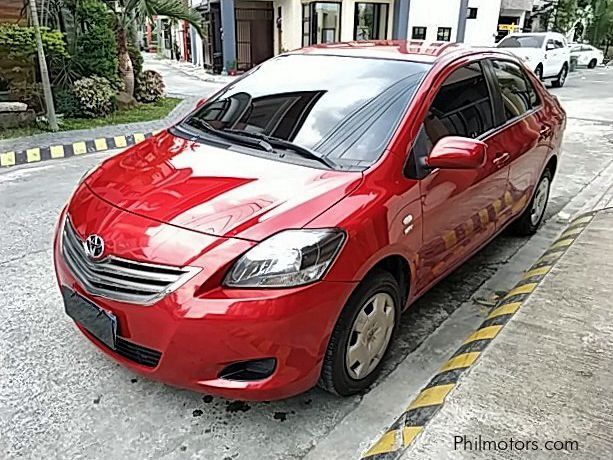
{"type": "Point", "coordinates": [459, 206]}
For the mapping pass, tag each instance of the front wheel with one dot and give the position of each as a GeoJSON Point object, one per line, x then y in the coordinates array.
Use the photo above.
{"type": "Point", "coordinates": [561, 79]}
{"type": "Point", "coordinates": [592, 64]}
{"type": "Point", "coordinates": [539, 72]}
{"type": "Point", "coordinates": [529, 221]}
{"type": "Point", "coordinates": [362, 336]}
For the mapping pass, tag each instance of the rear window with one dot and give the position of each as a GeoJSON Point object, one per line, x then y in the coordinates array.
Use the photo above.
{"type": "Point", "coordinates": [345, 108]}
{"type": "Point", "coordinates": [522, 41]}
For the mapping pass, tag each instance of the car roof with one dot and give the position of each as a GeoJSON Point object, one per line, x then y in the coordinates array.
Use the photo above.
{"type": "Point", "coordinates": [408, 50]}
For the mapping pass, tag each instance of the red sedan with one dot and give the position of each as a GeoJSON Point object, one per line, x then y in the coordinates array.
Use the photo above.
{"type": "Point", "coordinates": [271, 240]}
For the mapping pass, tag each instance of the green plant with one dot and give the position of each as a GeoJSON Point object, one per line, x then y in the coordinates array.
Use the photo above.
{"type": "Point", "coordinates": [28, 92]}
{"type": "Point", "coordinates": [129, 11]}
{"type": "Point", "coordinates": [95, 96]}
{"type": "Point", "coordinates": [96, 49]}
{"type": "Point", "coordinates": [19, 42]}
{"type": "Point", "coordinates": [149, 86]}
{"type": "Point", "coordinates": [66, 102]}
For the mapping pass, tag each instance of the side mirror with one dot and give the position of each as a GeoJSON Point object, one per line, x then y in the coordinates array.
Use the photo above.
{"type": "Point", "coordinates": [200, 103]}
{"type": "Point", "coordinates": [456, 152]}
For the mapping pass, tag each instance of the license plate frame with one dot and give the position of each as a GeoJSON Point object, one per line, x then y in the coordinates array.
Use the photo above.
{"type": "Point", "coordinates": [99, 322]}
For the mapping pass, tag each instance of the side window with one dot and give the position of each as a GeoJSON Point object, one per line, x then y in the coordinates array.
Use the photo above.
{"type": "Point", "coordinates": [518, 94]}
{"type": "Point", "coordinates": [558, 44]}
{"type": "Point", "coordinates": [462, 107]}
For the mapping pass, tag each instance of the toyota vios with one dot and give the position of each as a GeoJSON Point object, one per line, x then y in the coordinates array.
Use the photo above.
{"type": "Point", "coordinates": [271, 240]}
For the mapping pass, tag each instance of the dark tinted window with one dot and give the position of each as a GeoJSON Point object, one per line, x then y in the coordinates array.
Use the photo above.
{"type": "Point", "coordinates": [419, 33]}
{"type": "Point", "coordinates": [518, 94]}
{"type": "Point", "coordinates": [443, 34]}
{"type": "Point", "coordinates": [461, 108]}
{"type": "Point", "coordinates": [522, 41]}
{"type": "Point", "coordinates": [341, 107]}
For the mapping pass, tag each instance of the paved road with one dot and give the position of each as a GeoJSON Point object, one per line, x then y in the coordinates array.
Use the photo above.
{"type": "Point", "coordinates": [177, 82]}
{"type": "Point", "coordinates": [60, 398]}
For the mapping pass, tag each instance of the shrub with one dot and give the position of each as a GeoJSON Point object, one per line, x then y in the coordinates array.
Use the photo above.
{"type": "Point", "coordinates": [66, 102]}
{"type": "Point", "coordinates": [149, 86]}
{"type": "Point", "coordinates": [96, 48]}
{"type": "Point", "coordinates": [95, 96]}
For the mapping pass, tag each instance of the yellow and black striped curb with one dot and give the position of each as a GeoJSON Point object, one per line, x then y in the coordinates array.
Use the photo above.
{"type": "Point", "coordinates": [431, 398]}
{"type": "Point", "coordinates": [38, 154]}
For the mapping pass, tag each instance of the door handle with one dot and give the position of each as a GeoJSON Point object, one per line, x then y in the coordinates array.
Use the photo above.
{"type": "Point", "coordinates": [545, 132]}
{"type": "Point", "coordinates": [501, 159]}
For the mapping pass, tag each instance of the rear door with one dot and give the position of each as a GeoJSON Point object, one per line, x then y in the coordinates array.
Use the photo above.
{"type": "Point", "coordinates": [459, 206]}
{"type": "Point", "coordinates": [524, 134]}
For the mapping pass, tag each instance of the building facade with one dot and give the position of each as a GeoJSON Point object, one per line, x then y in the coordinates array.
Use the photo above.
{"type": "Point", "coordinates": [239, 34]}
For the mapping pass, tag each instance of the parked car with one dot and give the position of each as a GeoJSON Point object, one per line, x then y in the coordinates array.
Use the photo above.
{"type": "Point", "coordinates": [547, 54]}
{"type": "Point", "coordinates": [587, 55]}
{"type": "Point", "coordinates": [271, 239]}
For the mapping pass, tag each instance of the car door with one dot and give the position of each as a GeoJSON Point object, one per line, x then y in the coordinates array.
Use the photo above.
{"type": "Point", "coordinates": [524, 134]}
{"type": "Point", "coordinates": [459, 206]}
{"type": "Point", "coordinates": [550, 59]}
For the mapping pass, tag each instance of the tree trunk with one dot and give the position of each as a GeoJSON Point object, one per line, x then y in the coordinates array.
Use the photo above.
{"type": "Point", "coordinates": [44, 72]}
{"type": "Point", "coordinates": [126, 70]}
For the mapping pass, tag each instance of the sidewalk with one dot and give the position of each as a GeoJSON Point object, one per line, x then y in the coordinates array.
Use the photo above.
{"type": "Point", "coordinates": [542, 388]}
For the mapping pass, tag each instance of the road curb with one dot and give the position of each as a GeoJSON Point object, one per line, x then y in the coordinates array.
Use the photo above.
{"type": "Point", "coordinates": [77, 148]}
{"type": "Point", "coordinates": [399, 436]}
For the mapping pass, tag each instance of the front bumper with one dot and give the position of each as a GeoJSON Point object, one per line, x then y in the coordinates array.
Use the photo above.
{"type": "Point", "coordinates": [199, 333]}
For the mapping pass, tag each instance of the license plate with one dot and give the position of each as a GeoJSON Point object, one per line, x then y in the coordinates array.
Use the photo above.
{"type": "Point", "coordinates": [98, 322]}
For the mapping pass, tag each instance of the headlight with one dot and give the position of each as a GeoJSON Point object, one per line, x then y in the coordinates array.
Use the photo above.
{"type": "Point", "coordinates": [289, 258]}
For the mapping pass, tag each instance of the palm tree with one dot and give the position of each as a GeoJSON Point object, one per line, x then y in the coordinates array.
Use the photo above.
{"type": "Point", "coordinates": [128, 11]}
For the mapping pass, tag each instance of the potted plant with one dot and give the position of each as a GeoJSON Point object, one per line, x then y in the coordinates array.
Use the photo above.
{"type": "Point", "coordinates": [232, 65]}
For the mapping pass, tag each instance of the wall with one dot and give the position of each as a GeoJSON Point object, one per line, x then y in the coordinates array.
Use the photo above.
{"type": "Point", "coordinates": [10, 10]}
{"type": "Point", "coordinates": [433, 14]}
{"type": "Point", "coordinates": [482, 31]}
{"type": "Point", "coordinates": [292, 21]}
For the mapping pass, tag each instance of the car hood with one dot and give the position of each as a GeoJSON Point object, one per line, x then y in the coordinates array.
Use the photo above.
{"type": "Point", "coordinates": [531, 56]}
{"type": "Point", "coordinates": [217, 191]}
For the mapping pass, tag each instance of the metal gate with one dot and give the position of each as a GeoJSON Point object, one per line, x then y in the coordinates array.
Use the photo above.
{"type": "Point", "coordinates": [254, 33]}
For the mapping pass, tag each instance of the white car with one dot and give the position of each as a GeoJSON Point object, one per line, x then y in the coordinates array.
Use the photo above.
{"type": "Point", "coordinates": [587, 55]}
{"type": "Point", "coordinates": [546, 53]}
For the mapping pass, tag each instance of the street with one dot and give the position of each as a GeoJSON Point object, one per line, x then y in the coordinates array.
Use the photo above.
{"type": "Point", "coordinates": [61, 398]}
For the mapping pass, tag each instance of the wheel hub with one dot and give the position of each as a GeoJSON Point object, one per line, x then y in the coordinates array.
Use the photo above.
{"type": "Point", "coordinates": [370, 335]}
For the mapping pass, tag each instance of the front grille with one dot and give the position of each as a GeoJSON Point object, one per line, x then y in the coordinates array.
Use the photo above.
{"type": "Point", "coordinates": [137, 353]}
{"type": "Point", "coordinates": [120, 279]}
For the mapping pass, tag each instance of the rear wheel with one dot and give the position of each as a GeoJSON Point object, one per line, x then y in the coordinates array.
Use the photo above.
{"type": "Point", "coordinates": [561, 79]}
{"type": "Point", "coordinates": [528, 222]}
{"type": "Point", "coordinates": [362, 335]}
{"type": "Point", "coordinates": [592, 64]}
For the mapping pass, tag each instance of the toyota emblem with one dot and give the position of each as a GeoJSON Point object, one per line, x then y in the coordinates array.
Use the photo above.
{"type": "Point", "coordinates": [94, 246]}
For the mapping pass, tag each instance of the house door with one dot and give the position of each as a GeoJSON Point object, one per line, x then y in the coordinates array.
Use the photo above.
{"type": "Point", "coordinates": [254, 33]}
{"type": "Point", "coordinates": [211, 41]}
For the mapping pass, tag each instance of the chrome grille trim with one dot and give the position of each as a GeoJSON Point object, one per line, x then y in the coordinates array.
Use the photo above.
{"type": "Point", "coordinates": [120, 279]}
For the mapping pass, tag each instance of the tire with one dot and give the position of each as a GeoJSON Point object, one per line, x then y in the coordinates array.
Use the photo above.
{"type": "Point", "coordinates": [336, 374]}
{"type": "Point", "coordinates": [592, 64]}
{"type": "Point", "coordinates": [561, 79]}
{"type": "Point", "coordinates": [527, 224]}
{"type": "Point", "coordinates": [539, 72]}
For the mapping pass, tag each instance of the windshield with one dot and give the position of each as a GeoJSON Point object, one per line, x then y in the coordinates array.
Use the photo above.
{"type": "Point", "coordinates": [522, 41]}
{"type": "Point", "coordinates": [341, 108]}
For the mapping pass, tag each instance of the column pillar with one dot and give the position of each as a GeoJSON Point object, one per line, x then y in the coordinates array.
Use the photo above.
{"type": "Point", "coordinates": [228, 32]}
{"type": "Point", "coordinates": [400, 24]}
{"type": "Point", "coordinates": [463, 15]}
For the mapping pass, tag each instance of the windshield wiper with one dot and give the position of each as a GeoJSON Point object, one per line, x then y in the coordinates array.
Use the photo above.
{"type": "Point", "coordinates": [236, 136]}
{"type": "Point", "coordinates": [282, 143]}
